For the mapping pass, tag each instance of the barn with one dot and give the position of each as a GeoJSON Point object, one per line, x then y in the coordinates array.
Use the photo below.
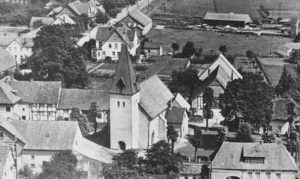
{"type": "Point", "coordinates": [236, 20]}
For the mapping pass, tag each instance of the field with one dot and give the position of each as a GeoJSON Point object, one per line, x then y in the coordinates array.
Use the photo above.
{"type": "Point", "coordinates": [200, 7]}
{"type": "Point", "coordinates": [209, 40]}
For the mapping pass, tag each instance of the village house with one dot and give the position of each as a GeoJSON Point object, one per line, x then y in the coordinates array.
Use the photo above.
{"type": "Point", "coordinates": [110, 39]}
{"type": "Point", "coordinates": [78, 8]}
{"type": "Point", "coordinates": [63, 19]}
{"type": "Point", "coordinates": [178, 118]}
{"type": "Point", "coordinates": [7, 163]}
{"type": "Point", "coordinates": [38, 141]}
{"type": "Point", "coordinates": [137, 110]}
{"type": "Point", "coordinates": [237, 20]}
{"type": "Point", "coordinates": [138, 19]}
{"type": "Point", "coordinates": [253, 160]}
{"type": "Point", "coordinates": [153, 49]}
{"type": "Point", "coordinates": [70, 98]}
{"type": "Point", "coordinates": [36, 22]}
{"type": "Point", "coordinates": [215, 77]}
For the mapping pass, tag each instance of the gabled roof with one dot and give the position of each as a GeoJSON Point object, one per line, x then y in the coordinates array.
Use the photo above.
{"type": "Point", "coordinates": [152, 45]}
{"type": "Point", "coordinates": [179, 101]}
{"type": "Point", "coordinates": [79, 7]}
{"type": "Point", "coordinates": [140, 17]}
{"type": "Point", "coordinates": [47, 135]}
{"type": "Point", "coordinates": [82, 99]}
{"type": "Point", "coordinates": [12, 130]}
{"type": "Point", "coordinates": [6, 60]}
{"type": "Point", "coordinates": [175, 115]}
{"type": "Point", "coordinates": [124, 80]}
{"type": "Point", "coordinates": [44, 20]}
{"type": "Point", "coordinates": [4, 153]}
{"type": "Point", "coordinates": [276, 157]}
{"type": "Point", "coordinates": [225, 64]}
{"type": "Point", "coordinates": [37, 92]}
{"type": "Point", "coordinates": [227, 17]}
{"type": "Point", "coordinates": [7, 94]}
{"type": "Point", "coordinates": [154, 96]}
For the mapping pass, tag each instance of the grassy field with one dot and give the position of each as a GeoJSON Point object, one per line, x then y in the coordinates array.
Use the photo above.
{"type": "Point", "coordinates": [209, 40]}
{"type": "Point", "coordinates": [200, 7]}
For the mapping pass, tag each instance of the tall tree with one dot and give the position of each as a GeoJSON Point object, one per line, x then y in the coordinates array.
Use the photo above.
{"type": "Point", "coordinates": [62, 165]}
{"type": "Point", "coordinates": [268, 137]}
{"type": "Point", "coordinates": [249, 98]}
{"type": "Point", "coordinates": [285, 83]}
{"type": "Point", "coordinates": [196, 140]}
{"type": "Point", "coordinates": [94, 114]}
{"type": "Point", "coordinates": [223, 49]}
{"type": "Point", "coordinates": [188, 50]}
{"type": "Point", "coordinates": [56, 57]}
{"type": "Point", "coordinates": [101, 18]}
{"type": "Point", "coordinates": [208, 100]}
{"type": "Point", "coordinates": [172, 136]}
{"type": "Point", "coordinates": [82, 120]}
{"type": "Point", "coordinates": [244, 133]}
{"type": "Point", "coordinates": [175, 47]}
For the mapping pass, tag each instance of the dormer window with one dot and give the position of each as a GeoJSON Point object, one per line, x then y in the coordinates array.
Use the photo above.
{"type": "Point", "coordinates": [254, 160]}
{"type": "Point", "coordinates": [109, 45]}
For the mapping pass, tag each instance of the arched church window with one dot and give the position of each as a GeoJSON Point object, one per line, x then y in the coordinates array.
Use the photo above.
{"type": "Point", "coordinates": [122, 145]}
{"type": "Point", "coordinates": [152, 137]}
{"type": "Point", "coordinates": [123, 104]}
{"type": "Point", "coordinates": [118, 103]}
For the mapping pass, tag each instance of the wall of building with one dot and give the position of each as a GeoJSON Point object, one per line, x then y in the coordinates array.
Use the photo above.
{"type": "Point", "coordinates": [222, 174]}
{"type": "Point", "coordinates": [144, 122]}
{"type": "Point", "coordinates": [9, 170]}
{"type": "Point", "coordinates": [19, 52]}
{"type": "Point", "coordinates": [124, 120]}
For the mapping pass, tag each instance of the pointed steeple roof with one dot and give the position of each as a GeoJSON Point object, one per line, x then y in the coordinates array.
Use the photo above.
{"type": "Point", "coordinates": [124, 81]}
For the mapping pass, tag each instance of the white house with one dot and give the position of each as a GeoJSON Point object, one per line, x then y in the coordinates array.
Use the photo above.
{"type": "Point", "coordinates": [78, 8]}
{"type": "Point", "coordinates": [253, 160]}
{"type": "Point", "coordinates": [7, 163]}
{"type": "Point", "coordinates": [110, 39]}
{"type": "Point", "coordinates": [38, 141]}
{"type": "Point", "coordinates": [63, 19]}
{"type": "Point", "coordinates": [153, 49]}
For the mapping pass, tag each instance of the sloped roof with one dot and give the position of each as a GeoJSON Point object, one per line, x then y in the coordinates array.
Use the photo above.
{"type": "Point", "coordinates": [104, 33]}
{"type": "Point", "coordinates": [191, 169]}
{"type": "Point", "coordinates": [227, 17]}
{"type": "Point", "coordinates": [47, 135]}
{"type": "Point", "coordinates": [225, 64]}
{"type": "Point", "coordinates": [155, 96]}
{"type": "Point", "coordinates": [7, 94]}
{"type": "Point", "coordinates": [276, 157]}
{"type": "Point", "coordinates": [179, 101]}
{"type": "Point", "coordinates": [152, 45]}
{"type": "Point", "coordinates": [79, 7]}
{"type": "Point", "coordinates": [82, 99]}
{"type": "Point", "coordinates": [124, 80]}
{"type": "Point", "coordinates": [6, 60]}
{"type": "Point", "coordinates": [12, 130]}
{"type": "Point", "coordinates": [44, 20]}
{"type": "Point", "coordinates": [140, 17]}
{"type": "Point", "coordinates": [175, 115]}
{"type": "Point", "coordinates": [37, 92]}
{"type": "Point", "coordinates": [4, 153]}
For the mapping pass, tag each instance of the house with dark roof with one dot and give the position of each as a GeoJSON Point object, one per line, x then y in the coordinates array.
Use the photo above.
{"type": "Point", "coordinates": [253, 160]}
{"type": "Point", "coordinates": [7, 163]}
{"type": "Point", "coordinates": [153, 49]}
{"type": "Point", "coordinates": [78, 8]}
{"type": "Point", "coordinates": [137, 109]}
{"type": "Point", "coordinates": [215, 77]}
{"type": "Point", "coordinates": [110, 39]}
{"type": "Point", "coordinates": [178, 118]}
{"type": "Point", "coordinates": [138, 19]}
{"type": "Point", "coordinates": [237, 20]}
{"type": "Point", "coordinates": [37, 141]}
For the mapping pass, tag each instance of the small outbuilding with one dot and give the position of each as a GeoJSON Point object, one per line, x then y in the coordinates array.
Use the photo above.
{"type": "Point", "coordinates": [236, 20]}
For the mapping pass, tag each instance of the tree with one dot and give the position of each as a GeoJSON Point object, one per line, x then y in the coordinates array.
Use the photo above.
{"type": "Point", "coordinates": [160, 160]}
{"type": "Point", "coordinates": [26, 172]}
{"type": "Point", "coordinates": [208, 100]}
{"type": "Point", "coordinates": [285, 83]}
{"type": "Point", "coordinates": [223, 49]}
{"type": "Point", "coordinates": [250, 54]}
{"type": "Point", "coordinates": [82, 120]}
{"type": "Point", "coordinates": [94, 114]}
{"type": "Point", "coordinates": [101, 18]}
{"type": "Point", "coordinates": [196, 140]}
{"type": "Point", "coordinates": [175, 47]}
{"type": "Point", "coordinates": [268, 137]}
{"type": "Point", "coordinates": [188, 50]}
{"type": "Point", "coordinates": [111, 7]}
{"type": "Point", "coordinates": [62, 165]}
{"type": "Point", "coordinates": [56, 58]}
{"type": "Point", "coordinates": [244, 134]}
{"type": "Point", "coordinates": [221, 135]}
{"type": "Point", "coordinates": [172, 136]}
{"type": "Point", "coordinates": [199, 52]}
{"type": "Point", "coordinates": [250, 99]}
{"type": "Point", "coordinates": [294, 56]}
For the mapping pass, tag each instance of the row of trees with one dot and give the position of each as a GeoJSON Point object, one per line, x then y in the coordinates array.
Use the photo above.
{"type": "Point", "coordinates": [113, 7]}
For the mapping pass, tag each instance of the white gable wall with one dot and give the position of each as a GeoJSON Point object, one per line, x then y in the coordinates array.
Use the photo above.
{"type": "Point", "coordinates": [16, 50]}
{"type": "Point", "coordinates": [9, 170]}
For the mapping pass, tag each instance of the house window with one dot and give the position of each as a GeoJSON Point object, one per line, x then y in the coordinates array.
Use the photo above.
{"type": "Point", "coordinates": [113, 54]}
{"type": "Point", "coordinates": [16, 57]}
{"type": "Point", "coordinates": [32, 157]}
{"type": "Point", "coordinates": [186, 177]}
{"type": "Point", "coordinates": [116, 46]}
{"type": "Point", "coordinates": [109, 45]}
{"type": "Point", "coordinates": [24, 117]}
{"type": "Point", "coordinates": [257, 174]}
{"type": "Point", "coordinates": [23, 109]}
{"type": "Point", "coordinates": [268, 175]}
{"type": "Point", "coordinates": [278, 175]}
{"type": "Point", "coordinates": [118, 103]}
{"type": "Point", "coordinates": [118, 54]}
{"type": "Point", "coordinates": [1, 135]}
{"type": "Point", "coordinates": [8, 109]}
{"type": "Point", "coordinates": [123, 104]}
{"type": "Point", "coordinates": [122, 145]}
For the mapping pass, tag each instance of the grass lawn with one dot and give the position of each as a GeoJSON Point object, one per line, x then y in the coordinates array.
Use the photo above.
{"type": "Point", "coordinates": [209, 40]}
{"type": "Point", "coordinates": [200, 7]}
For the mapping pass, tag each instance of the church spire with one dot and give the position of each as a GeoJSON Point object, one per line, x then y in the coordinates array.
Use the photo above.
{"type": "Point", "coordinates": [124, 81]}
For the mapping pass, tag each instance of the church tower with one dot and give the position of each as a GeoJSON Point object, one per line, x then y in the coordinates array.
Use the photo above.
{"type": "Point", "coordinates": [124, 99]}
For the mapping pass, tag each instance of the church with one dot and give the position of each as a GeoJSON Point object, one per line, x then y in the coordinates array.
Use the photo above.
{"type": "Point", "coordinates": [137, 110]}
